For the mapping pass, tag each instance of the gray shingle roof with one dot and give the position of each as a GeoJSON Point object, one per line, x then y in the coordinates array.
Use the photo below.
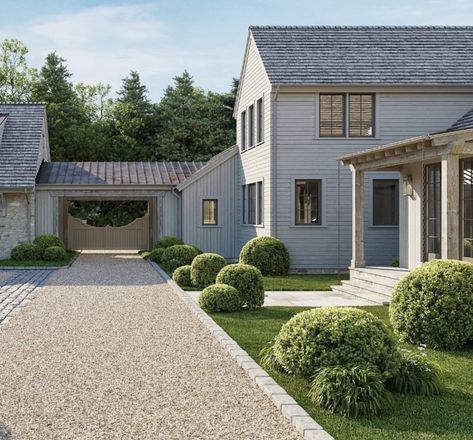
{"type": "Point", "coordinates": [404, 55]}
{"type": "Point", "coordinates": [116, 173]}
{"type": "Point", "coordinates": [20, 144]}
{"type": "Point", "coordinates": [466, 121]}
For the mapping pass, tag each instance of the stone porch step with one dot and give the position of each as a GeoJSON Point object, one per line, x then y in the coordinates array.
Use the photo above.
{"type": "Point", "coordinates": [374, 298]}
{"type": "Point", "coordinates": [369, 286]}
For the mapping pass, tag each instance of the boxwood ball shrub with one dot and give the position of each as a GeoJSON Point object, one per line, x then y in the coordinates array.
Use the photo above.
{"type": "Point", "coordinates": [268, 254]}
{"type": "Point", "coordinates": [167, 241]}
{"type": "Point", "coordinates": [45, 241]}
{"type": "Point", "coordinates": [55, 253]}
{"type": "Point", "coordinates": [247, 280]}
{"type": "Point", "coordinates": [416, 375]}
{"type": "Point", "coordinates": [220, 298]}
{"type": "Point", "coordinates": [205, 268]}
{"type": "Point", "coordinates": [353, 391]}
{"type": "Point", "coordinates": [433, 305]}
{"type": "Point", "coordinates": [156, 255]}
{"type": "Point", "coordinates": [182, 276]}
{"type": "Point", "coordinates": [331, 336]}
{"type": "Point", "coordinates": [177, 256]}
{"type": "Point", "coordinates": [25, 252]}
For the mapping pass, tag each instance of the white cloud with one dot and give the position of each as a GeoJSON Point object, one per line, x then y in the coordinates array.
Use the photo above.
{"type": "Point", "coordinates": [103, 43]}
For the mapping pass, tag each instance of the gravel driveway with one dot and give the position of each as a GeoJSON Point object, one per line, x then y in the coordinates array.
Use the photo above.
{"type": "Point", "coordinates": [108, 351]}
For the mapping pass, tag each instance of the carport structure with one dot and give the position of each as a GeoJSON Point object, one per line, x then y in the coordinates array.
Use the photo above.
{"type": "Point", "coordinates": [58, 183]}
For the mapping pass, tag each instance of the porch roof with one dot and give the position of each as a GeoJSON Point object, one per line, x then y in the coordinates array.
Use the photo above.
{"type": "Point", "coordinates": [426, 147]}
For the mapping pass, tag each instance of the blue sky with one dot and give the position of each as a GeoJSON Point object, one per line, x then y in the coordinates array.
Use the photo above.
{"type": "Point", "coordinates": [103, 40]}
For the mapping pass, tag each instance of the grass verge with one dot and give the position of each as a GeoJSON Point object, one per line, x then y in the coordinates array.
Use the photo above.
{"type": "Point", "coordinates": [301, 282]}
{"type": "Point", "coordinates": [71, 255]}
{"type": "Point", "coordinates": [447, 417]}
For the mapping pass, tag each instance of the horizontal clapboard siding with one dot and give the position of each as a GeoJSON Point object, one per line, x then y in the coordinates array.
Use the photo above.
{"type": "Point", "coordinates": [301, 154]}
{"type": "Point", "coordinates": [217, 184]}
{"type": "Point", "coordinates": [254, 164]}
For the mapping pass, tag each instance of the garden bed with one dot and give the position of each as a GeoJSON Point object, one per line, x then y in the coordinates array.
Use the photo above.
{"type": "Point", "coordinates": [448, 416]}
{"type": "Point", "coordinates": [9, 263]}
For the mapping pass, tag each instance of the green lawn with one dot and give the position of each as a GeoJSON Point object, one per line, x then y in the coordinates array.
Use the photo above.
{"type": "Point", "coordinates": [71, 255]}
{"type": "Point", "coordinates": [448, 416]}
{"type": "Point", "coordinates": [303, 282]}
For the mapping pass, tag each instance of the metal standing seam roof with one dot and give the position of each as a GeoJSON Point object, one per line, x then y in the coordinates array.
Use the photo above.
{"type": "Point", "coordinates": [21, 134]}
{"type": "Point", "coordinates": [366, 55]}
{"type": "Point", "coordinates": [466, 121]}
{"type": "Point", "coordinates": [116, 173]}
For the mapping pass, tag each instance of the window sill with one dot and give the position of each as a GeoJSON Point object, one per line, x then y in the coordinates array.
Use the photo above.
{"type": "Point", "coordinates": [252, 147]}
{"type": "Point", "coordinates": [347, 138]}
{"type": "Point", "coordinates": [244, 225]}
{"type": "Point", "coordinates": [308, 226]}
{"type": "Point", "coordinates": [210, 226]}
{"type": "Point", "coordinates": [383, 226]}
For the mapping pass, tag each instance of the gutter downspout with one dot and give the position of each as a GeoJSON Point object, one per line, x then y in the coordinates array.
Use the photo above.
{"type": "Point", "coordinates": [273, 230]}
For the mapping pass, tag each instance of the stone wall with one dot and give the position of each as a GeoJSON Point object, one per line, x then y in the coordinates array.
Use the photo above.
{"type": "Point", "coordinates": [15, 226]}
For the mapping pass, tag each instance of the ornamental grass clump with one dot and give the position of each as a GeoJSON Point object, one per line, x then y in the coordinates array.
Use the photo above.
{"type": "Point", "coordinates": [350, 391]}
{"type": "Point", "coordinates": [182, 276]}
{"type": "Point", "coordinates": [177, 256]}
{"type": "Point", "coordinates": [416, 375]}
{"type": "Point", "coordinates": [433, 305]}
{"type": "Point", "coordinates": [247, 280]}
{"type": "Point", "coordinates": [268, 254]}
{"type": "Point", "coordinates": [55, 253]}
{"type": "Point", "coordinates": [205, 268]}
{"type": "Point", "coordinates": [330, 336]}
{"type": "Point", "coordinates": [220, 298]}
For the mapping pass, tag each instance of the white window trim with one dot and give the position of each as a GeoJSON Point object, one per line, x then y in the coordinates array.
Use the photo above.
{"type": "Point", "coordinates": [317, 136]}
{"type": "Point", "coordinates": [323, 193]}
{"type": "Point", "coordinates": [394, 175]}
{"type": "Point", "coordinates": [255, 125]}
{"type": "Point", "coordinates": [244, 213]}
{"type": "Point", "coordinates": [220, 222]}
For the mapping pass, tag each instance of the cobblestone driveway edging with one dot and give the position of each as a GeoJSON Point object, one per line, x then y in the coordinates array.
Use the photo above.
{"type": "Point", "coordinates": [17, 291]}
{"type": "Point", "coordinates": [299, 418]}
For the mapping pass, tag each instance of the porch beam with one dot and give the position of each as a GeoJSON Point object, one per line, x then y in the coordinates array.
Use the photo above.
{"type": "Point", "coordinates": [358, 211]}
{"type": "Point", "coordinates": [450, 190]}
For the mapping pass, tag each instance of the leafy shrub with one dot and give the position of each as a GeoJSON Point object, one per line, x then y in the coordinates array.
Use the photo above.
{"type": "Point", "coordinates": [177, 256]}
{"type": "Point", "coordinates": [54, 253]}
{"type": "Point", "coordinates": [182, 276]}
{"type": "Point", "coordinates": [395, 262]}
{"type": "Point", "coordinates": [433, 305]}
{"type": "Point", "coordinates": [25, 252]}
{"type": "Point", "coordinates": [168, 241]}
{"type": "Point", "coordinates": [415, 376]}
{"type": "Point", "coordinates": [205, 268]}
{"type": "Point", "coordinates": [156, 255]}
{"type": "Point", "coordinates": [351, 391]}
{"type": "Point", "coordinates": [45, 241]}
{"type": "Point", "coordinates": [144, 254]}
{"type": "Point", "coordinates": [220, 298]}
{"type": "Point", "coordinates": [268, 254]}
{"type": "Point", "coordinates": [247, 280]}
{"type": "Point", "coordinates": [332, 336]}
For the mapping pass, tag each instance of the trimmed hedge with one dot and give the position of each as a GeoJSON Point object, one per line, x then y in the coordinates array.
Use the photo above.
{"type": "Point", "coordinates": [26, 252]}
{"type": "Point", "coordinates": [331, 336]}
{"type": "Point", "coordinates": [177, 256]}
{"type": "Point", "coordinates": [205, 268]}
{"type": "Point", "coordinates": [220, 298]}
{"type": "Point", "coordinates": [182, 276]}
{"type": "Point", "coordinates": [247, 280]}
{"type": "Point", "coordinates": [168, 241]}
{"type": "Point", "coordinates": [45, 241]}
{"type": "Point", "coordinates": [156, 255]}
{"type": "Point", "coordinates": [268, 254]}
{"type": "Point", "coordinates": [55, 253]}
{"type": "Point", "coordinates": [433, 305]}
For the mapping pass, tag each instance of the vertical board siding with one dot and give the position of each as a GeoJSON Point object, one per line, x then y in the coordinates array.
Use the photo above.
{"type": "Point", "coordinates": [46, 213]}
{"type": "Point", "coordinates": [218, 184]}
{"type": "Point", "coordinates": [301, 154]}
{"type": "Point", "coordinates": [171, 217]}
{"type": "Point", "coordinates": [254, 164]}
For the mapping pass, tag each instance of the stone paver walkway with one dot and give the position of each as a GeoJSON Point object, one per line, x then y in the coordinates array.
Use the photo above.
{"type": "Point", "coordinates": [16, 290]}
{"type": "Point", "coordinates": [307, 299]}
{"type": "Point", "coordinates": [108, 351]}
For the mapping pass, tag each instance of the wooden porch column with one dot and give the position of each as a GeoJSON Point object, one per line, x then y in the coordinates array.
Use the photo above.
{"type": "Point", "coordinates": [358, 218]}
{"type": "Point", "coordinates": [450, 206]}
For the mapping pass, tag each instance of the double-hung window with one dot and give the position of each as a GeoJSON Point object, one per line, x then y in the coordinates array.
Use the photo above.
{"type": "Point", "coordinates": [259, 120]}
{"type": "Point", "coordinates": [252, 203]}
{"type": "Point", "coordinates": [243, 130]}
{"type": "Point", "coordinates": [251, 126]}
{"type": "Point", "coordinates": [341, 114]}
{"type": "Point", "coordinates": [385, 202]}
{"type": "Point", "coordinates": [209, 211]}
{"type": "Point", "coordinates": [308, 202]}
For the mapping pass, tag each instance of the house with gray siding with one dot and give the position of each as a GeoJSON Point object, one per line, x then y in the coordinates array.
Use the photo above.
{"type": "Point", "coordinates": [311, 100]}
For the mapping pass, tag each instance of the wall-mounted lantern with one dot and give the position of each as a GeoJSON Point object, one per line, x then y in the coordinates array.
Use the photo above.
{"type": "Point", "coordinates": [408, 189]}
